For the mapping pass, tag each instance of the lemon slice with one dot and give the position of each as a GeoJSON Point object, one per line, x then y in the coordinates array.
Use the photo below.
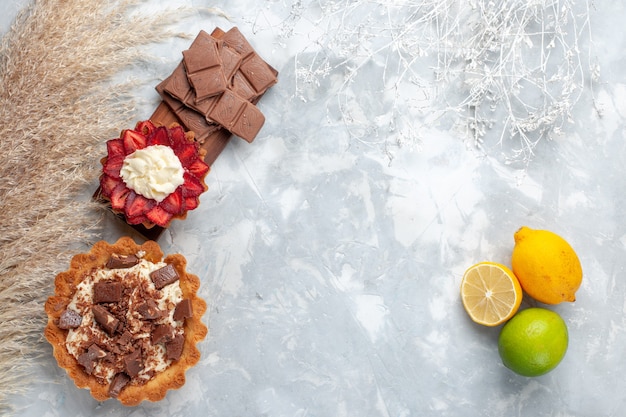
{"type": "Point", "coordinates": [491, 293]}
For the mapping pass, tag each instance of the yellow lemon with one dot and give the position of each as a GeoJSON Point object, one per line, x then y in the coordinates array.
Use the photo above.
{"type": "Point", "coordinates": [546, 266]}
{"type": "Point", "coordinates": [490, 293]}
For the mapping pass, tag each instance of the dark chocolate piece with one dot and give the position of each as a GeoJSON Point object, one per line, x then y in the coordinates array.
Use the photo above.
{"type": "Point", "coordinates": [86, 362]}
{"type": "Point", "coordinates": [174, 348]}
{"type": "Point", "coordinates": [183, 310]}
{"type": "Point", "coordinates": [107, 292]}
{"type": "Point", "coordinates": [164, 276]}
{"type": "Point", "coordinates": [122, 261]}
{"type": "Point", "coordinates": [162, 333]}
{"type": "Point", "coordinates": [149, 310]}
{"type": "Point", "coordinates": [105, 319]}
{"type": "Point", "coordinates": [125, 339]}
{"type": "Point", "coordinates": [133, 363]}
{"type": "Point", "coordinates": [117, 384]}
{"type": "Point", "coordinates": [69, 319]}
{"type": "Point", "coordinates": [88, 358]}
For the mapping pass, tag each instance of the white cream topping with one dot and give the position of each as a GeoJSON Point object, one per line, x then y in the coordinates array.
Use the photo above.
{"type": "Point", "coordinates": [154, 172]}
{"type": "Point", "coordinates": [82, 301]}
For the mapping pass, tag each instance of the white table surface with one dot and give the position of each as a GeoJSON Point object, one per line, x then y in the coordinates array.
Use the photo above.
{"type": "Point", "coordinates": [331, 249]}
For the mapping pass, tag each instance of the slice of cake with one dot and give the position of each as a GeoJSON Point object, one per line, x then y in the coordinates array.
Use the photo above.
{"type": "Point", "coordinates": [124, 322]}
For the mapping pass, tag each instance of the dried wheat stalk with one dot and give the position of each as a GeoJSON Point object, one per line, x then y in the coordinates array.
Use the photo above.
{"type": "Point", "coordinates": [58, 105]}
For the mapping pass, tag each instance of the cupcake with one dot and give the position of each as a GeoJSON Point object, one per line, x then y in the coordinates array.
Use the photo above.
{"type": "Point", "coordinates": [153, 174]}
{"type": "Point", "coordinates": [124, 322]}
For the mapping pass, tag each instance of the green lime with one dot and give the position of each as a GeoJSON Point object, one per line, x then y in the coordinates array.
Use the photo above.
{"type": "Point", "coordinates": [533, 342]}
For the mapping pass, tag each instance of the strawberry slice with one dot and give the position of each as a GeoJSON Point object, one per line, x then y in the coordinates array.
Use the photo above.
{"type": "Point", "coordinates": [145, 127]}
{"type": "Point", "coordinates": [192, 186]}
{"type": "Point", "coordinates": [112, 165]}
{"type": "Point", "coordinates": [118, 196]}
{"type": "Point", "coordinates": [158, 136]}
{"type": "Point", "coordinates": [198, 168]}
{"type": "Point", "coordinates": [159, 216]}
{"type": "Point", "coordinates": [191, 203]}
{"type": "Point", "coordinates": [115, 147]}
{"type": "Point", "coordinates": [177, 134]}
{"type": "Point", "coordinates": [108, 183]}
{"type": "Point", "coordinates": [136, 220]}
{"type": "Point", "coordinates": [137, 205]}
{"type": "Point", "coordinates": [173, 203]}
{"type": "Point", "coordinates": [186, 152]}
{"type": "Point", "coordinates": [133, 140]}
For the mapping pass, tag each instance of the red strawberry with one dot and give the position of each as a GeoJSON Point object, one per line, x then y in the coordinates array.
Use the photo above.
{"type": "Point", "coordinates": [145, 128]}
{"type": "Point", "coordinates": [173, 203]}
{"type": "Point", "coordinates": [115, 147]}
{"type": "Point", "coordinates": [198, 168]}
{"type": "Point", "coordinates": [108, 183]}
{"type": "Point", "coordinates": [133, 140]}
{"type": "Point", "coordinates": [158, 136]}
{"type": "Point", "coordinates": [191, 203]}
{"type": "Point", "coordinates": [187, 152]}
{"type": "Point", "coordinates": [159, 216]}
{"type": "Point", "coordinates": [113, 165]}
{"type": "Point", "coordinates": [137, 205]}
{"type": "Point", "coordinates": [177, 134]}
{"type": "Point", "coordinates": [192, 186]}
{"type": "Point", "coordinates": [118, 196]}
{"type": "Point", "coordinates": [136, 220]}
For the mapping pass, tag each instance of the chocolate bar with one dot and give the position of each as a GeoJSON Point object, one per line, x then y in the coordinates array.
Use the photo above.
{"type": "Point", "coordinates": [234, 110]}
{"type": "Point", "coordinates": [222, 110]}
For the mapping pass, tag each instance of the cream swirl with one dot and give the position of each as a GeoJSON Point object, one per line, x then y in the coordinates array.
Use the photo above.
{"type": "Point", "coordinates": [154, 172]}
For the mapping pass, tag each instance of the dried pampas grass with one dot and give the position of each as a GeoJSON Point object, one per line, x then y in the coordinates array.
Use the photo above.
{"type": "Point", "coordinates": [58, 105]}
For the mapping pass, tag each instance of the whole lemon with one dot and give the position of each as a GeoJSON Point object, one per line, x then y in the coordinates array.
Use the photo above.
{"type": "Point", "coordinates": [546, 266]}
{"type": "Point", "coordinates": [533, 342]}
